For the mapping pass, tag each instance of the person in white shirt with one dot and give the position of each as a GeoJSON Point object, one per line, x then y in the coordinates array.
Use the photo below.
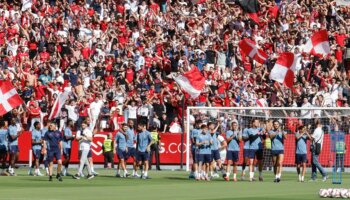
{"type": "Point", "coordinates": [132, 111]}
{"type": "Point", "coordinates": [317, 139]}
{"type": "Point", "coordinates": [94, 112]}
{"type": "Point", "coordinates": [84, 137]}
{"type": "Point", "coordinates": [72, 111]}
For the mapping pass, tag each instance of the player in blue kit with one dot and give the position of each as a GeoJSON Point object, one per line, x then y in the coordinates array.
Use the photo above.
{"type": "Point", "coordinates": [203, 142]}
{"type": "Point", "coordinates": [130, 144]}
{"type": "Point", "coordinates": [67, 147]}
{"type": "Point", "coordinates": [3, 147]}
{"type": "Point", "coordinates": [144, 141]}
{"type": "Point", "coordinates": [53, 148]}
{"type": "Point", "coordinates": [37, 143]}
{"type": "Point", "coordinates": [233, 138]}
{"type": "Point", "coordinates": [215, 154]}
{"type": "Point", "coordinates": [245, 138]}
{"type": "Point", "coordinates": [301, 138]}
{"type": "Point", "coordinates": [277, 137]}
{"type": "Point", "coordinates": [13, 145]}
{"type": "Point", "coordinates": [193, 135]}
{"type": "Point", "coordinates": [120, 142]}
{"type": "Point", "coordinates": [256, 135]}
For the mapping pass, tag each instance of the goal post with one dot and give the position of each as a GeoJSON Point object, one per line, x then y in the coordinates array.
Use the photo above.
{"type": "Point", "coordinates": [333, 119]}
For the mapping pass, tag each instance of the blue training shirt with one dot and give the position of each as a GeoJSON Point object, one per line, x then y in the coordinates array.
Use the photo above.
{"type": "Point", "coordinates": [301, 146]}
{"type": "Point", "coordinates": [215, 145]}
{"type": "Point", "coordinates": [194, 134]}
{"type": "Point", "coordinates": [245, 135]}
{"type": "Point", "coordinates": [67, 144]}
{"type": "Point", "coordinates": [52, 139]}
{"type": "Point", "coordinates": [277, 141]}
{"type": "Point", "coordinates": [234, 143]}
{"type": "Point", "coordinates": [13, 132]}
{"type": "Point", "coordinates": [204, 148]}
{"type": "Point", "coordinates": [36, 136]}
{"type": "Point", "coordinates": [120, 141]}
{"type": "Point", "coordinates": [143, 140]}
{"type": "Point", "coordinates": [131, 138]}
{"type": "Point", "coordinates": [3, 138]}
{"type": "Point", "coordinates": [255, 139]}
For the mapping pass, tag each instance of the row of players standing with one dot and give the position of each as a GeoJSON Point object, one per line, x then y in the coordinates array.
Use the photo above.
{"type": "Point", "coordinates": [49, 144]}
{"type": "Point", "coordinates": [211, 149]}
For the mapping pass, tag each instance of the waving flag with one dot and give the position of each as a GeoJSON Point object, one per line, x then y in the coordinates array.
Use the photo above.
{"type": "Point", "coordinates": [249, 48]}
{"type": "Point", "coordinates": [191, 82]}
{"type": "Point", "coordinates": [9, 98]}
{"type": "Point", "coordinates": [251, 7]}
{"type": "Point", "coordinates": [318, 44]}
{"type": "Point", "coordinates": [56, 109]}
{"type": "Point", "coordinates": [283, 71]}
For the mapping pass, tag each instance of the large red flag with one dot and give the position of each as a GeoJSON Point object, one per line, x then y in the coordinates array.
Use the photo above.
{"type": "Point", "coordinates": [191, 82]}
{"type": "Point", "coordinates": [249, 48]}
{"type": "Point", "coordinates": [283, 71]}
{"type": "Point", "coordinates": [9, 98]}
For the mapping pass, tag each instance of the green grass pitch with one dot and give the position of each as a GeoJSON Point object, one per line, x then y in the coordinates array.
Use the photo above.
{"type": "Point", "coordinates": [163, 185]}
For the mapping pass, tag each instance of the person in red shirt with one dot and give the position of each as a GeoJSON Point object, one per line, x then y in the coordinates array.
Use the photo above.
{"type": "Point", "coordinates": [44, 55]}
{"type": "Point", "coordinates": [154, 7]}
{"type": "Point", "coordinates": [341, 37]}
{"type": "Point", "coordinates": [129, 74]}
{"type": "Point", "coordinates": [118, 119]}
{"type": "Point", "coordinates": [34, 114]}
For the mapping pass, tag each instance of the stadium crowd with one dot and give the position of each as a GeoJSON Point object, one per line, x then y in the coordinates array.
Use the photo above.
{"type": "Point", "coordinates": [118, 57]}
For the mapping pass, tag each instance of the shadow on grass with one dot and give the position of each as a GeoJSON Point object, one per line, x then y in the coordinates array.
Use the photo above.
{"type": "Point", "coordinates": [178, 178]}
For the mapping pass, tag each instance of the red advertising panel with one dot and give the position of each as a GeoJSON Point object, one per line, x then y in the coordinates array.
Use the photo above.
{"type": "Point", "coordinates": [170, 149]}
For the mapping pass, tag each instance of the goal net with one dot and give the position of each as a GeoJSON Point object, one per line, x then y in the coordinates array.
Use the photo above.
{"type": "Point", "coordinates": [333, 120]}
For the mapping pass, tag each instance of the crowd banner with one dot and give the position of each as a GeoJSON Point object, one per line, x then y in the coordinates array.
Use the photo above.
{"type": "Point", "coordinates": [170, 149]}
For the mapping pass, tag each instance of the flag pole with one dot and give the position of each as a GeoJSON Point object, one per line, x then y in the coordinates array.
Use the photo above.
{"type": "Point", "coordinates": [183, 131]}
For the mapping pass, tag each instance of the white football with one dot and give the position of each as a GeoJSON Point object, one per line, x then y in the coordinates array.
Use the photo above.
{"type": "Point", "coordinates": [335, 193]}
{"type": "Point", "coordinates": [330, 191]}
{"type": "Point", "coordinates": [323, 193]}
{"type": "Point", "coordinates": [344, 193]}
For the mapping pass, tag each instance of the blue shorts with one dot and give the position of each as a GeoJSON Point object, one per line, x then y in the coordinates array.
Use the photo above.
{"type": "Point", "coordinates": [13, 149]}
{"type": "Point", "coordinates": [204, 158]}
{"type": "Point", "coordinates": [131, 153]}
{"type": "Point", "coordinates": [300, 158]}
{"type": "Point", "coordinates": [36, 153]}
{"type": "Point", "coordinates": [215, 155]}
{"type": "Point", "coordinates": [66, 152]}
{"type": "Point", "coordinates": [277, 152]}
{"type": "Point", "coordinates": [195, 155]}
{"type": "Point", "coordinates": [232, 155]}
{"type": "Point", "coordinates": [245, 153]}
{"type": "Point", "coordinates": [55, 153]}
{"type": "Point", "coordinates": [122, 155]}
{"type": "Point", "coordinates": [3, 149]}
{"type": "Point", "coordinates": [89, 154]}
{"type": "Point", "coordinates": [142, 156]}
{"type": "Point", "coordinates": [258, 153]}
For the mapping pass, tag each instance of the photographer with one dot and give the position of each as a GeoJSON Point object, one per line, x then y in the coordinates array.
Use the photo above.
{"type": "Point", "coordinates": [316, 148]}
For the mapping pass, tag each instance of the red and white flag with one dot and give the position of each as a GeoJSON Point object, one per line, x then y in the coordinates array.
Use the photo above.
{"type": "Point", "coordinates": [262, 103]}
{"type": "Point", "coordinates": [9, 98]}
{"type": "Point", "coordinates": [318, 44]}
{"type": "Point", "coordinates": [191, 82]}
{"type": "Point", "coordinates": [249, 48]}
{"type": "Point", "coordinates": [283, 71]}
{"type": "Point", "coordinates": [56, 109]}
{"type": "Point", "coordinates": [198, 1]}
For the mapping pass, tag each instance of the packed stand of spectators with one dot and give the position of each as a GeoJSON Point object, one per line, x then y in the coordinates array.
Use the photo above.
{"type": "Point", "coordinates": [117, 57]}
